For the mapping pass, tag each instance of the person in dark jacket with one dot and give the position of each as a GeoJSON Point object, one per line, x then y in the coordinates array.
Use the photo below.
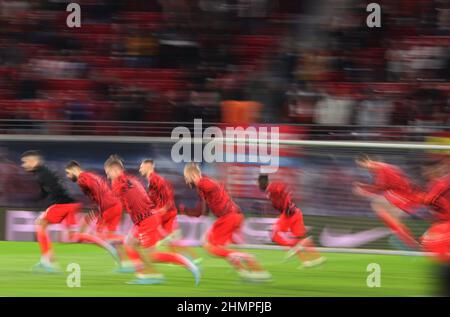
{"type": "Point", "coordinates": [62, 209]}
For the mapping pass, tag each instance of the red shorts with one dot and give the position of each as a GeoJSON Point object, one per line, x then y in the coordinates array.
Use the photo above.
{"type": "Point", "coordinates": [293, 224]}
{"type": "Point", "coordinates": [58, 213]}
{"type": "Point", "coordinates": [148, 231]}
{"type": "Point", "coordinates": [437, 241]}
{"type": "Point", "coordinates": [110, 218]}
{"type": "Point", "coordinates": [169, 221]}
{"type": "Point", "coordinates": [404, 201]}
{"type": "Point", "coordinates": [221, 232]}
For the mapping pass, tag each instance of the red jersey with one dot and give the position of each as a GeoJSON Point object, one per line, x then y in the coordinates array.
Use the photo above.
{"type": "Point", "coordinates": [280, 196]}
{"type": "Point", "coordinates": [160, 192]}
{"type": "Point", "coordinates": [96, 188]}
{"type": "Point", "coordinates": [389, 177]}
{"type": "Point", "coordinates": [438, 197]}
{"type": "Point", "coordinates": [133, 196]}
{"type": "Point", "coordinates": [216, 197]}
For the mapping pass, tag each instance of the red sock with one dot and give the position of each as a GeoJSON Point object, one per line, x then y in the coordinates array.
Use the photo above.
{"type": "Point", "coordinates": [399, 229]}
{"type": "Point", "coordinates": [76, 236]}
{"type": "Point", "coordinates": [112, 237]}
{"type": "Point", "coordinates": [132, 254]}
{"type": "Point", "coordinates": [218, 251]}
{"type": "Point", "coordinates": [236, 263]}
{"type": "Point", "coordinates": [310, 250]}
{"type": "Point", "coordinates": [44, 242]}
{"type": "Point", "coordinates": [277, 238]}
{"type": "Point", "coordinates": [166, 257]}
{"type": "Point", "coordinates": [250, 261]}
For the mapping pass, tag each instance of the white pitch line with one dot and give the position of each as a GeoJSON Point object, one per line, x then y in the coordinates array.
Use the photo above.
{"type": "Point", "coordinates": [337, 250]}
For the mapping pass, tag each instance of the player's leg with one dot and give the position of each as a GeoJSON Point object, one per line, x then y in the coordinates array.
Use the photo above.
{"type": "Point", "coordinates": [47, 263]}
{"type": "Point", "coordinates": [279, 235]}
{"type": "Point", "coordinates": [437, 241]}
{"type": "Point", "coordinates": [218, 236]}
{"type": "Point", "coordinates": [390, 217]}
{"type": "Point", "coordinates": [47, 260]}
{"type": "Point", "coordinates": [149, 235]}
{"type": "Point", "coordinates": [172, 237]}
{"type": "Point", "coordinates": [280, 229]}
{"type": "Point", "coordinates": [147, 273]}
{"type": "Point", "coordinates": [129, 259]}
{"type": "Point", "coordinates": [107, 228]}
{"type": "Point", "coordinates": [169, 229]}
{"type": "Point", "coordinates": [82, 236]}
{"type": "Point", "coordinates": [305, 247]}
{"type": "Point", "coordinates": [221, 234]}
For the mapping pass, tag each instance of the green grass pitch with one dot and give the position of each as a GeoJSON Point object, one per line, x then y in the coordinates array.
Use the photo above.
{"type": "Point", "coordinates": [341, 275]}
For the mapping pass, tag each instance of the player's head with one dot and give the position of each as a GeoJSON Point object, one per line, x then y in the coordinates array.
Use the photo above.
{"type": "Point", "coordinates": [73, 170]}
{"type": "Point", "coordinates": [113, 167]}
{"type": "Point", "coordinates": [147, 167]}
{"type": "Point", "coordinates": [192, 174]}
{"type": "Point", "coordinates": [364, 161]}
{"type": "Point", "coordinates": [263, 181]}
{"type": "Point", "coordinates": [31, 160]}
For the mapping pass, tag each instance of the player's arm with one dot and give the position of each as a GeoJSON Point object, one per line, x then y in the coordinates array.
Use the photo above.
{"type": "Point", "coordinates": [366, 190]}
{"type": "Point", "coordinates": [197, 211]}
{"type": "Point", "coordinates": [429, 198]}
{"type": "Point", "coordinates": [288, 205]}
{"type": "Point", "coordinates": [94, 212]}
{"type": "Point", "coordinates": [164, 194]}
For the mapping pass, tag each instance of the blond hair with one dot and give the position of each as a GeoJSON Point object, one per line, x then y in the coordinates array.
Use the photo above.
{"type": "Point", "coordinates": [192, 168]}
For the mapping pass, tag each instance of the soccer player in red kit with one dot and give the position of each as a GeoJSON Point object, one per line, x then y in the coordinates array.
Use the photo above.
{"type": "Point", "coordinates": [161, 194]}
{"type": "Point", "coordinates": [107, 218]}
{"type": "Point", "coordinates": [147, 222]}
{"type": "Point", "coordinates": [229, 221]}
{"type": "Point", "coordinates": [290, 221]}
{"type": "Point", "coordinates": [392, 195]}
{"type": "Point", "coordinates": [437, 199]}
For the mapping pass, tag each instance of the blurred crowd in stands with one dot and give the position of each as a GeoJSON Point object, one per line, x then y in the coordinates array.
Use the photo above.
{"type": "Point", "coordinates": [234, 61]}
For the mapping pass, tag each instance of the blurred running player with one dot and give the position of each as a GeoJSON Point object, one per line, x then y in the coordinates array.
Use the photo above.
{"type": "Point", "coordinates": [392, 196]}
{"type": "Point", "coordinates": [62, 209]}
{"type": "Point", "coordinates": [107, 217]}
{"type": "Point", "coordinates": [147, 222]}
{"type": "Point", "coordinates": [161, 194]}
{"type": "Point", "coordinates": [229, 222]}
{"type": "Point", "coordinates": [437, 199]}
{"type": "Point", "coordinates": [290, 221]}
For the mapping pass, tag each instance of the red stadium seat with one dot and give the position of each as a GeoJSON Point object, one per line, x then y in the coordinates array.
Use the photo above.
{"type": "Point", "coordinates": [97, 28]}
{"type": "Point", "coordinates": [143, 17]}
{"type": "Point", "coordinates": [156, 85]}
{"type": "Point", "coordinates": [102, 61]}
{"type": "Point", "coordinates": [69, 84]}
{"type": "Point", "coordinates": [144, 74]}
